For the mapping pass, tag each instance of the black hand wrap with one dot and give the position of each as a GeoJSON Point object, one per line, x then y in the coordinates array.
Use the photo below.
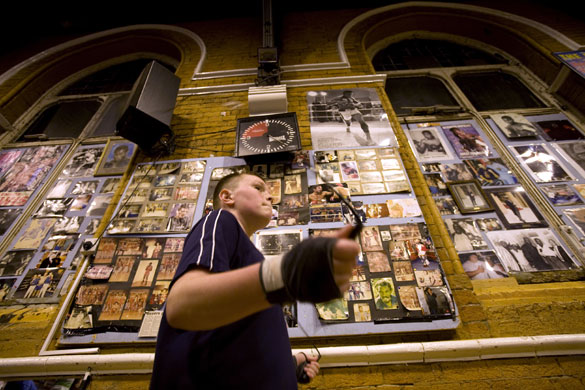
{"type": "Point", "coordinates": [305, 273]}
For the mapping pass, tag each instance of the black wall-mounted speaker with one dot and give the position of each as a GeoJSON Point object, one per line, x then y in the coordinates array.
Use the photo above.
{"type": "Point", "coordinates": [148, 111]}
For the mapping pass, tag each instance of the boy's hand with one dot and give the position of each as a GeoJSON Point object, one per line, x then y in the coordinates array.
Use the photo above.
{"type": "Point", "coordinates": [315, 270]}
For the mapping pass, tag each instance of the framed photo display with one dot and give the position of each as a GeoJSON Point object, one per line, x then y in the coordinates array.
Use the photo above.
{"type": "Point", "coordinates": [116, 158]}
{"type": "Point", "coordinates": [469, 197]}
{"type": "Point", "coordinates": [514, 208]}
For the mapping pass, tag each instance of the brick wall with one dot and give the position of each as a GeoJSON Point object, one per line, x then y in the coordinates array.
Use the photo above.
{"type": "Point", "coordinates": [204, 125]}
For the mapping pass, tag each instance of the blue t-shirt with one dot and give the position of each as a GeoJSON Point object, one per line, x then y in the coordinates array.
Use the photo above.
{"type": "Point", "coordinates": [253, 352]}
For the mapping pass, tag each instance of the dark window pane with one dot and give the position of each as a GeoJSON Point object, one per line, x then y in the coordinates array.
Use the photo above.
{"type": "Point", "coordinates": [65, 119]}
{"type": "Point", "coordinates": [417, 92]}
{"type": "Point", "coordinates": [426, 53]}
{"type": "Point", "coordinates": [109, 118]}
{"type": "Point", "coordinates": [116, 78]}
{"type": "Point", "coordinates": [496, 91]}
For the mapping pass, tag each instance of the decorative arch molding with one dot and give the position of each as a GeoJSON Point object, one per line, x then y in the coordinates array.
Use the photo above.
{"type": "Point", "coordinates": [26, 82]}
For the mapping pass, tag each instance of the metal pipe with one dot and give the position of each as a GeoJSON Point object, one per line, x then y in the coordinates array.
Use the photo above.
{"type": "Point", "coordinates": [363, 355]}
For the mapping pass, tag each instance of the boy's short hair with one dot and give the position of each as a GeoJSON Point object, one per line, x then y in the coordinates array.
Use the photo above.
{"type": "Point", "coordinates": [228, 181]}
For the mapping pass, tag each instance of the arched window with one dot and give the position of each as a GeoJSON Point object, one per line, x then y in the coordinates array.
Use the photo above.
{"type": "Point", "coordinates": [88, 107]}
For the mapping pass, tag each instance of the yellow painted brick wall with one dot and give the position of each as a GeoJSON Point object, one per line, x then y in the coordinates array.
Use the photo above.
{"type": "Point", "coordinates": [205, 125]}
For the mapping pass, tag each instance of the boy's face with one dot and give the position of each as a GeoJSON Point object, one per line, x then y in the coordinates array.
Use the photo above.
{"type": "Point", "coordinates": [252, 200]}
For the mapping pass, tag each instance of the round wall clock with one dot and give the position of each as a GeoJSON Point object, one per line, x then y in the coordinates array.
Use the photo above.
{"type": "Point", "coordinates": [265, 134]}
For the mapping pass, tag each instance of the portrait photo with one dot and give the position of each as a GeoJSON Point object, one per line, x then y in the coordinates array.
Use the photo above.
{"type": "Point", "coordinates": [378, 261]}
{"type": "Point", "coordinates": [514, 126]}
{"type": "Point", "coordinates": [428, 145]}
{"type": "Point", "coordinates": [574, 154]}
{"type": "Point", "coordinates": [116, 158]}
{"type": "Point", "coordinates": [384, 293]}
{"type": "Point", "coordinates": [370, 238]}
{"type": "Point", "coordinates": [361, 312]}
{"type": "Point", "coordinates": [455, 172]}
{"type": "Point", "coordinates": [577, 217]}
{"type": "Point", "coordinates": [409, 297]}
{"type": "Point", "coordinates": [466, 141]}
{"type": "Point", "coordinates": [83, 162]}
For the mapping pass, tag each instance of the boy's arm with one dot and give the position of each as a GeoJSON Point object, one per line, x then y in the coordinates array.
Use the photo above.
{"type": "Point", "coordinates": [201, 300]}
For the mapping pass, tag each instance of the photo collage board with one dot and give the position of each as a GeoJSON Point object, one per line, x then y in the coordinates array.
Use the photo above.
{"type": "Point", "coordinates": [496, 227]}
{"type": "Point", "coordinates": [22, 172]}
{"type": "Point", "coordinates": [398, 276]}
{"type": "Point", "coordinates": [43, 257]}
{"type": "Point", "coordinates": [160, 198]}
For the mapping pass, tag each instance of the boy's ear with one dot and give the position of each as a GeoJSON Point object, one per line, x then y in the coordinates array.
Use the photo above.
{"type": "Point", "coordinates": [226, 197]}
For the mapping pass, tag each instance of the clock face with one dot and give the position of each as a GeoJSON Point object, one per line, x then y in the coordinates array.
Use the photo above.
{"type": "Point", "coordinates": [268, 134]}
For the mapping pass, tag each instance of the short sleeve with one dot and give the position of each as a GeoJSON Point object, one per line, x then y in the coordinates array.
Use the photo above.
{"type": "Point", "coordinates": [210, 244]}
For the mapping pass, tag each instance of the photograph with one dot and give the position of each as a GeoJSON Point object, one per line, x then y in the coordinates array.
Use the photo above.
{"type": "Point", "coordinates": [378, 262]}
{"type": "Point", "coordinates": [455, 172]}
{"type": "Point", "coordinates": [144, 275]}
{"type": "Point", "coordinates": [80, 203]}
{"type": "Point", "coordinates": [161, 194]}
{"type": "Point", "coordinates": [122, 268]}
{"type": "Point", "coordinates": [334, 310]}
{"type": "Point", "coordinates": [99, 272]}
{"type": "Point", "coordinates": [278, 242]}
{"type": "Point", "coordinates": [488, 224]}
{"type": "Point", "coordinates": [559, 130]}
{"type": "Point", "coordinates": [181, 217]}
{"type": "Point", "coordinates": [135, 304]}
{"type": "Point", "coordinates": [130, 246]}
{"type": "Point", "coordinates": [428, 145]}
{"type": "Point", "coordinates": [130, 211]}
{"type": "Point", "coordinates": [39, 283]}
{"type": "Point", "coordinates": [275, 188]}
{"type": "Point", "coordinates": [99, 205]}
{"type": "Point", "coordinates": [79, 318]}
{"type": "Point", "coordinates": [466, 141]}
{"type": "Point", "coordinates": [116, 158]}
{"type": "Point", "coordinates": [7, 158]}
{"type": "Point", "coordinates": [561, 194]}
{"type": "Point", "coordinates": [438, 301]}
{"type": "Point", "coordinates": [174, 244]}
{"type": "Point", "coordinates": [400, 250]}
{"type": "Point", "coordinates": [110, 185]}
{"type": "Point", "coordinates": [377, 210]}
{"type": "Point", "coordinates": [51, 259]}
{"type": "Point", "coordinates": [155, 209]}
{"type": "Point", "coordinates": [166, 168]}
{"type": "Point", "coordinates": [380, 188]}
{"type": "Point", "coordinates": [491, 172]}
{"type": "Point", "coordinates": [403, 271]}
{"type": "Point", "coordinates": [91, 294]}
{"type": "Point", "coordinates": [194, 166]}
{"type": "Point", "coordinates": [34, 234]}
{"type": "Point", "coordinates": [54, 208]}
{"type": "Point", "coordinates": [359, 291]}
{"type": "Point", "coordinates": [425, 278]}
{"type": "Point", "coordinates": [541, 163]}
{"type": "Point", "coordinates": [342, 118]}
{"type": "Point", "coordinates": [292, 184]}
{"type": "Point", "coordinates": [168, 266]}
{"type": "Point", "coordinates": [364, 165]}
{"type": "Point", "coordinates": [574, 154]}
{"type": "Point", "coordinates": [409, 297]}
{"type": "Point", "coordinates": [153, 248]}
{"type": "Point", "coordinates": [83, 162]}
{"type": "Point", "coordinates": [121, 226]}
{"type": "Point", "coordinates": [158, 296]}
{"type": "Point", "coordinates": [84, 187]}
{"type": "Point", "coordinates": [164, 181]}
{"type": "Point", "coordinates": [469, 197]}
{"type": "Point", "coordinates": [514, 208]}
{"type": "Point", "coordinates": [370, 238]}
{"type": "Point", "coordinates": [349, 171]}
{"type": "Point", "coordinates": [577, 216]}
{"type": "Point", "coordinates": [528, 250]}
{"type": "Point", "coordinates": [446, 206]}
{"type": "Point", "coordinates": [113, 305]}
{"type": "Point", "coordinates": [515, 126]}
{"type": "Point", "coordinates": [483, 265]}
{"type": "Point", "coordinates": [59, 189]}
{"type": "Point", "coordinates": [384, 293]}
{"type": "Point", "coordinates": [7, 217]}
{"type": "Point", "coordinates": [464, 234]}
{"type": "Point", "coordinates": [13, 263]}
{"type": "Point", "coordinates": [403, 208]}
{"type": "Point", "coordinates": [405, 231]}
{"type": "Point", "coordinates": [436, 184]}
{"type": "Point", "coordinates": [106, 250]}
{"type": "Point", "coordinates": [188, 193]}
{"type": "Point", "coordinates": [361, 312]}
